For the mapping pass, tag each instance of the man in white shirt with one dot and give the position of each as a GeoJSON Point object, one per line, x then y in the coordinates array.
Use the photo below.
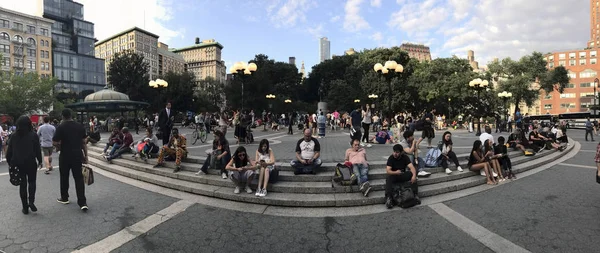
{"type": "Point", "coordinates": [487, 135]}
{"type": "Point", "coordinates": [46, 132]}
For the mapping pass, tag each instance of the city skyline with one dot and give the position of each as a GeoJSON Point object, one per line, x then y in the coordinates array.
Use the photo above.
{"type": "Point", "coordinates": [279, 28]}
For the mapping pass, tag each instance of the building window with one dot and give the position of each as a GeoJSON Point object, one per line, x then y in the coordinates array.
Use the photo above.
{"type": "Point", "coordinates": [570, 85]}
{"type": "Point", "coordinates": [588, 73]}
{"type": "Point", "coordinates": [567, 105]}
{"type": "Point", "coordinates": [586, 94]}
{"type": "Point", "coordinates": [31, 42]}
{"type": "Point", "coordinates": [582, 62]}
{"type": "Point", "coordinates": [592, 61]}
{"type": "Point", "coordinates": [44, 31]}
{"type": "Point", "coordinates": [571, 55]}
{"type": "Point", "coordinates": [31, 29]}
{"type": "Point", "coordinates": [561, 56]}
{"type": "Point", "coordinates": [31, 52]}
{"type": "Point", "coordinates": [572, 75]}
{"type": "Point", "coordinates": [551, 57]}
{"type": "Point", "coordinates": [5, 49]}
{"type": "Point", "coordinates": [581, 55]}
{"type": "Point", "coordinates": [592, 54]}
{"type": "Point", "coordinates": [18, 38]}
{"type": "Point", "coordinates": [551, 65]}
{"type": "Point", "coordinates": [586, 85]}
{"type": "Point", "coordinates": [548, 106]}
{"type": "Point", "coordinates": [567, 95]}
{"type": "Point", "coordinates": [5, 61]}
{"type": "Point", "coordinates": [31, 64]}
{"type": "Point", "coordinates": [561, 63]}
{"type": "Point", "coordinates": [17, 26]}
{"type": "Point", "coordinates": [571, 62]}
{"type": "Point", "coordinates": [4, 23]}
{"type": "Point", "coordinates": [586, 105]}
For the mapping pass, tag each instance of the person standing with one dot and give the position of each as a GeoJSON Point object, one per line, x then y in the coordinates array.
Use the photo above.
{"type": "Point", "coordinates": [366, 124]}
{"type": "Point", "coordinates": [45, 133]}
{"type": "Point", "coordinates": [70, 137]}
{"type": "Point", "coordinates": [321, 122]}
{"type": "Point", "coordinates": [165, 123]}
{"type": "Point", "coordinates": [589, 128]}
{"type": "Point", "coordinates": [23, 150]}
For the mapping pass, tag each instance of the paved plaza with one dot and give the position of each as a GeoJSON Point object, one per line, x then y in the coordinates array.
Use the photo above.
{"type": "Point", "coordinates": [550, 209]}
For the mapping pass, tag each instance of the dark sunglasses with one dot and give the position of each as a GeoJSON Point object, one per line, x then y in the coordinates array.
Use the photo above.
{"type": "Point", "coordinates": [241, 155]}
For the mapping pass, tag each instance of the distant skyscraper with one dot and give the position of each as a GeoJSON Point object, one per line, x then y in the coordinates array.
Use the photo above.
{"type": "Point", "coordinates": [324, 49]}
{"type": "Point", "coordinates": [417, 51]}
{"type": "Point", "coordinates": [302, 70]}
{"type": "Point", "coordinates": [292, 60]}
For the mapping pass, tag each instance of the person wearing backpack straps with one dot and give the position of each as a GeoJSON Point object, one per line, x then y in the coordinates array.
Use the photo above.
{"type": "Point", "coordinates": [448, 154]}
{"type": "Point", "coordinates": [396, 170]}
{"type": "Point", "coordinates": [357, 156]}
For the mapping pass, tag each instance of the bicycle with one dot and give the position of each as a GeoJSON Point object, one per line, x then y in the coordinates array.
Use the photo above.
{"type": "Point", "coordinates": [199, 134]}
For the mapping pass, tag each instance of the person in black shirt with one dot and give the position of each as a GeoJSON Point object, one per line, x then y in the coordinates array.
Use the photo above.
{"type": "Point", "coordinates": [70, 137]}
{"type": "Point", "coordinates": [23, 149]}
{"type": "Point", "coordinates": [356, 118]}
{"type": "Point", "coordinates": [397, 173]}
{"type": "Point", "coordinates": [428, 131]}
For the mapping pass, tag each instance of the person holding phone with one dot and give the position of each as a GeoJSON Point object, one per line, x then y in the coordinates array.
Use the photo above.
{"type": "Point", "coordinates": [241, 170]}
{"type": "Point", "coordinates": [266, 165]}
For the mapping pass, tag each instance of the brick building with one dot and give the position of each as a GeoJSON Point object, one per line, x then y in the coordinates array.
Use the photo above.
{"type": "Point", "coordinates": [417, 51]}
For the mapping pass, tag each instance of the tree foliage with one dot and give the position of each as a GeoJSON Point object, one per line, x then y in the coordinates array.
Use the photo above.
{"type": "Point", "coordinates": [25, 94]}
{"type": "Point", "coordinates": [128, 73]}
{"type": "Point", "coordinates": [209, 95]}
{"type": "Point", "coordinates": [180, 91]}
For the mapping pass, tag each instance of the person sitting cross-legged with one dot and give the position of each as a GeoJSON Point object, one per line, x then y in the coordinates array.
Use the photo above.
{"type": "Point", "coordinates": [357, 156]}
{"type": "Point", "coordinates": [125, 146]}
{"type": "Point", "coordinates": [382, 137]}
{"type": "Point", "coordinates": [308, 151]}
{"type": "Point", "coordinates": [396, 170]}
{"type": "Point", "coordinates": [412, 151]}
{"type": "Point", "coordinates": [241, 170]}
{"type": "Point", "coordinates": [177, 147]}
{"type": "Point", "coordinates": [448, 154]}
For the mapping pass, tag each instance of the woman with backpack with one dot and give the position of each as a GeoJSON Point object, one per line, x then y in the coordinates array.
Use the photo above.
{"type": "Point", "coordinates": [23, 150]}
{"type": "Point", "coordinates": [266, 159]}
{"type": "Point", "coordinates": [448, 154]}
{"type": "Point", "coordinates": [478, 162]}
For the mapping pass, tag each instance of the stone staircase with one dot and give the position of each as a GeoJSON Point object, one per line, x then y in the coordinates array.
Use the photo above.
{"type": "Point", "coordinates": [304, 190]}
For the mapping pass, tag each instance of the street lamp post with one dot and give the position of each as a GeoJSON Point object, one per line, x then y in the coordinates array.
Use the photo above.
{"type": "Point", "coordinates": [357, 101]}
{"type": "Point", "coordinates": [478, 85]}
{"type": "Point", "coordinates": [269, 98]}
{"type": "Point", "coordinates": [158, 84]}
{"type": "Point", "coordinates": [241, 69]}
{"type": "Point", "coordinates": [596, 83]}
{"type": "Point", "coordinates": [388, 71]}
{"type": "Point", "coordinates": [505, 96]}
{"type": "Point", "coordinates": [449, 111]}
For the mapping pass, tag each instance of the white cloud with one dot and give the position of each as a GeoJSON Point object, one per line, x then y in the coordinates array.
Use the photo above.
{"type": "Point", "coordinates": [377, 36]}
{"type": "Point", "coordinates": [461, 8]}
{"type": "Point", "coordinates": [335, 18]}
{"type": "Point", "coordinates": [353, 22]}
{"type": "Point", "coordinates": [418, 16]}
{"type": "Point", "coordinates": [316, 31]}
{"type": "Point", "coordinates": [113, 16]}
{"type": "Point", "coordinates": [376, 3]}
{"type": "Point", "coordinates": [289, 13]}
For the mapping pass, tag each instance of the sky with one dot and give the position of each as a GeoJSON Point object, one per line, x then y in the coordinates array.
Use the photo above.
{"type": "Point", "coordinates": [284, 28]}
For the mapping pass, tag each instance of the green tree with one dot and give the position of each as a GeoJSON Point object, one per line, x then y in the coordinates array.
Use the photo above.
{"type": "Point", "coordinates": [210, 94]}
{"type": "Point", "coordinates": [180, 91]}
{"type": "Point", "coordinates": [527, 77]}
{"type": "Point", "coordinates": [25, 94]}
{"type": "Point", "coordinates": [128, 73]}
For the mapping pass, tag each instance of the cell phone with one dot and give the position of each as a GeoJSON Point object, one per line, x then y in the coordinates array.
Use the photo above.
{"type": "Point", "coordinates": [262, 161]}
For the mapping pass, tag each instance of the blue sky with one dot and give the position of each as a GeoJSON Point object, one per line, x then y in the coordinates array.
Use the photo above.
{"type": "Point", "coordinates": [283, 28]}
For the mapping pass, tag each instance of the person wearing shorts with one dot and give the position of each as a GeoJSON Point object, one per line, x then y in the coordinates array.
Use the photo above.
{"type": "Point", "coordinates": [45, 133]}
{"type": "Point", "coordinates": [265, 160]}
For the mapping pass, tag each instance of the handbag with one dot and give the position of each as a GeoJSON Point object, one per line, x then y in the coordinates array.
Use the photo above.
{"type": "Point", "coordinates": [15, 179]}
{"type": "Point", "coordinates": [405, 197]}
{"type": "Point", "coordinates": [88, 174]}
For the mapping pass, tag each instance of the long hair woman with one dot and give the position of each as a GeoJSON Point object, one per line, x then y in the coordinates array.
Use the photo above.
{"type": "Point", "coordinates": [266, 159]}
{"type": "Point", "coordinates": [23, 150]}
{"type": "Point", "coordinates": [448, 154]}
{"type": "Point", "coordinates": [478, 162]}
{"type": "Point", "coordinates": [242, 170]}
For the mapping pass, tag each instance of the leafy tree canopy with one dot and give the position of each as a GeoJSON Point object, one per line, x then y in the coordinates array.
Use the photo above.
{"type": "Point", "coordinates": [25, 94]}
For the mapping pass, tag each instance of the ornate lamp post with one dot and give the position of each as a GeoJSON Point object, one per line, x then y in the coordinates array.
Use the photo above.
{"type": "Point", "coordinates": [478, 85]}
{"type": "Point", "coordinates": [389, 70]}
{"type": "Point", "coordinates": [505, 96]}
{"type": "Point", "coordinates": [158, 84]}
{"type": "Point", "coordinates": [241, 69]}
{"type": "Point", "coordinates": [269, 98]}
{"type": "Point", "coordinates": [357, 101]}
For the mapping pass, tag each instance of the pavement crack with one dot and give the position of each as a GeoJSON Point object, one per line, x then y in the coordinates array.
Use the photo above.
{"type": "Point", "coordinates": [329, 222]}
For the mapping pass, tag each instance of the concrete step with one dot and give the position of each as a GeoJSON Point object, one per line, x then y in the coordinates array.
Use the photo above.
{"type": "Point", "coordinates": [225, 191]}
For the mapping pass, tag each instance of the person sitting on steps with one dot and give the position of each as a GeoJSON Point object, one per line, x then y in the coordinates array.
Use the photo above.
{"type": "Point", "coordinates": [502, 149]}
{"type": "Point", "coordinates": [177, 147]}
{"type": "Point", "coordinates": [492, 158]}
{"type": "Point", "coordinates": [241, 170]}
{"type": "Point", "coordinates": [382, 137]}
{"type": "Point", "coordinates": [265, 159]}
{"type": "Point", "coordinates": [115, 140]}
{"type": "Point", "coordinates": [125, 146]}
{"type": "Point", "coordinates": [308, 151]}
{"type": "Point", "coordinates": [448, 154]}
{"type": "Point", "coordinates": [357, 156]}
{"type": "Point", "coordinates": [478, 162]}
{"type": "Point", "coordinates": [397, 173]}
{"type": "Point", "coordinates": [149, 147]}
{"type": "Point", "coordinates": [411, 149]}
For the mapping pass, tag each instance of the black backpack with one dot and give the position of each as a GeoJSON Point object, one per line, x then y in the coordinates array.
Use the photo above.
{"type": "Point", "coordinates": [344, 175]}
{"type": "Point", "coordinates": [405, 197]}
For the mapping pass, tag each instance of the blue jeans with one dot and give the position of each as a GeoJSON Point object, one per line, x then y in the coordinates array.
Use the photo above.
{"type": "Point", "coordinates": [420, 166]}
{"type": "Point", "coordinates": [114, 149]}
{"type": "Point", "coordinates": [362, 171]}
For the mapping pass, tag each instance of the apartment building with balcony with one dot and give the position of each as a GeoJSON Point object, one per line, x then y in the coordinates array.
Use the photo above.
{"type": "Point", "coordinates": [25, 43]}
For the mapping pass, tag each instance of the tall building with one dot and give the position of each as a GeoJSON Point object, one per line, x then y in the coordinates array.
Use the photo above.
{"type": "Point", "coordinates": [350, 51]}
{"type": "Point", "coordinates": [73, 61]}
{"type": "Point", "coordinates": [204, 59]}
{"type": "Point", "coordinates": [292, 60]}
{"type": "Point", "coordinates": [417, 51]}
{"type": "Point", "coordinates": [302, 71]}
{"type": "Point", "coordinates": [136, 39]}
{"type": "Point", "coordinates": [582, 67]}
{"type": "Point", "coordinates": [25, 43]}
{"type": "Point", "coordinates": [324, 49]}
{"type": "Point", "coordinates": [169, 61]}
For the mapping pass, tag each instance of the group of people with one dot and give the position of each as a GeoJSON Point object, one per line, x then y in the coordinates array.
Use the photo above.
{"type": "Point", "coordinates": [24, 154]}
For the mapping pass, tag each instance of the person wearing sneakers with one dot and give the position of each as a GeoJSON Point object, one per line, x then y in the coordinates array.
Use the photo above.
{"type": "Point", "coordinates": [70, 137]}
{"type": "Point", "coordinates": [396, 170]}
{"type": "Point", "coordinates": [176, 146]}
{"type": "Point", "coordinates": [366, 124]}
{"type": "Point", "coordinates": [125, 147]}
{"type": "Point", "coordinates": [516, 140]}
{"type": "Point", "coordinates": [266, 159]}
{"type": "Point", "coordinates": [357, 156]}
{"type": "Point", "coordinates": [448, 154]}
{"type": "Point", "coordinates": [241, 170]}
{"type": "Point", "coordinates": [45, 133]}
{"type": "Point", "coordinates": [412, 151]}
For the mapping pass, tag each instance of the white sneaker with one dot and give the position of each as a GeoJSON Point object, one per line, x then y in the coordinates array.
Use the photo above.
{"type": "Point", "coordinates": [448, 171]}
{"type": "Point", "coordinates": [224, 175]}
{"type": "Point", "coordinates": [237, 190]}
{"type": "Point", "coordinates": [423, 173]}
{"type": "Point", "coordinates": [362, 144]}
{"type": "Point", "coordinates": [248, 190]}
{"type": "Point", "coordinates": [258, 193]}
{"type": "Point", "coordinates": [481, 172]}
{"type": "Point", "coordinates": [459, 169]}
{"type": "Point", "coordinates": [494, 173]}
{"type": "Point", "coordinates": [263, 192]}
{"type": "Point", "coordinates": [369, 145]}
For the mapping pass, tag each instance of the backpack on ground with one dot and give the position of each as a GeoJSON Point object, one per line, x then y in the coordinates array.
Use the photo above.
{"type": "Point", "coordinates": [274, 175]}
{"type": "Point", "coordinates": [432, 159]}
{"type": "Point", "coordinates": [344, 175]}
{"type": "Point", "coordinates": [405, 197]}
